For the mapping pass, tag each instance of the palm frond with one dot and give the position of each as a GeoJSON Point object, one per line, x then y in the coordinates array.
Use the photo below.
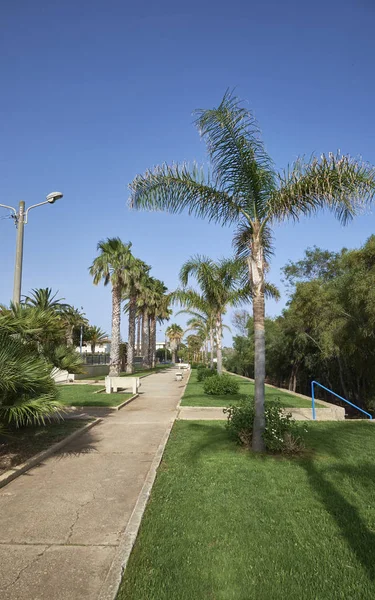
{"type": "Point", "coordinates": [334, 181]}
{"type": "Point", "coordinates": [177, 188]}
{"type": "Point", "coordinates": [240, 163]}
{"type": "Point", "coordinates": [242, 241]}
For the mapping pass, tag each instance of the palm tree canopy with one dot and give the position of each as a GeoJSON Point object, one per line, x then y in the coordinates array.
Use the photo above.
{"type": "Point", "coordinates": [174, 332]}
{"type": "Point", "coordinates": [244, 186]}
{"type": "Point", "coordinates": [113, 262]}
{"type": "Point", "coordinates": [96, 335]}
{"type": "Point", "coordinates": [44, 299]}
{"type": "Point", "coordinates": [219, 282]}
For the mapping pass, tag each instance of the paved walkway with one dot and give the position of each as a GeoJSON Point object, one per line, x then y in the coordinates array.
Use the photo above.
{"type": "Point", "coordinates": [61, 522]}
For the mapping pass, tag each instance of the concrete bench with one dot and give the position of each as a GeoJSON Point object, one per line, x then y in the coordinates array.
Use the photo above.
{"type": "Point", "coordinates": [184, 366]}
{"type": "Point", "coordinates": [112, 384]}
{"type": "Point", "coordinates": [179, 376]}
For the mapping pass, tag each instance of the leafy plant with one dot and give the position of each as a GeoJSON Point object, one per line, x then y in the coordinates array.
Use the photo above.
{"type": "Point", "coordinates": [204, 372]}
{"type": "Point", "coordinates": [28, 394]}
{"type": "Point", "coordinates": [221, 385]}
{"type": "Point", "coordinates": [281, 433]}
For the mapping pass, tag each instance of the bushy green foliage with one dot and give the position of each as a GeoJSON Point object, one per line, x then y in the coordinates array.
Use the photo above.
{"type": "Point", "coordinates": [197, 365]}
{"type": "Point", "coordinates": [221, 385]}
{"type": "Point", "coordinates": [28, 394]}
{"type": "Point", "coordinates": [281, 435]}
{"type": "Point", "coordinates": [204, 372]}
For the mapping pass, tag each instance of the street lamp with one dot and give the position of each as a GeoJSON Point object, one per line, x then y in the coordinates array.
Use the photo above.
{"type": "Point", "coordinates": [21, 219]}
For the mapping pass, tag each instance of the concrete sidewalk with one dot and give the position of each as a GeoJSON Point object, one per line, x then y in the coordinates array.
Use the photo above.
{"type": "Point", "coordinates": [62, 522]}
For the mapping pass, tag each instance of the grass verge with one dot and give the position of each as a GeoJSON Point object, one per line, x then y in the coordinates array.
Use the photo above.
{"type": "Point", "coordinates": [223, 524]}
{"type": "Point", "coordinates": [84, 395]}
{"type": "Point", "coordinates": [195, 396]}
{"type": "Point", "coordinates": [137, 373]}
{"type": "Point", "coordinates": [21, 444]}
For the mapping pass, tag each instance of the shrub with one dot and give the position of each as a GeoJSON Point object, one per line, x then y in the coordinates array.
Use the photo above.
{"type": "Point", "coordinates": [220, 385]}
{"type": "Point", "coordinates": [196, 365]}
{"type": "Point", "coordinates": [204, 372]}
{"type": "Point", "coordinates": [281, 435]}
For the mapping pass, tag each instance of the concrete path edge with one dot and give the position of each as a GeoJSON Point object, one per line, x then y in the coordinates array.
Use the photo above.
{"type": "Point", "coordinates": [115, 574]}
{"type": "Point", "coordinates": [11, 474]}
{"type": "Point", "coordinates": [113, 580]}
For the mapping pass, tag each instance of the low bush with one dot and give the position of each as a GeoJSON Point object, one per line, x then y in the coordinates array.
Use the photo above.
{"type": "Point", "coordinates": [204, 372]}
{"type": "Point", "coordinates": [221, 385]}
{"type": "Point", "coordinates": [196, 365]}
{"type": "Point", "coordinates": [281, 435]}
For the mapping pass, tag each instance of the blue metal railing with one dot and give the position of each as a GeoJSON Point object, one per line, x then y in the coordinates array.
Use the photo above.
{"type": "Point", "coordinates": [337, 396]}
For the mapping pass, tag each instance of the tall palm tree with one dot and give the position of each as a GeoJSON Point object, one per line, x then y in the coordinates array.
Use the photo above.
{"type": "Point", "coordinates": [95, 335]}
{"type": "Point", "coordinates": [134, 282]}
{"type": "Point", "coordinates": [110, 266]}
{"type": "Point", "coordinates": [220, 285]}
{"type": "Point", "coordinates": [203, 320]}
{"type": "Point", "coordinates": [175, 334]}
{"type": "Point", "coordinates": [158, 311]}
{"type": "Point", "coordinates": [246, 190]}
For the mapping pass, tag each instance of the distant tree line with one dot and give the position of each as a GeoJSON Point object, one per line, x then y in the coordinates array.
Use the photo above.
{"type": "Point", "coordinates": [327, 331]}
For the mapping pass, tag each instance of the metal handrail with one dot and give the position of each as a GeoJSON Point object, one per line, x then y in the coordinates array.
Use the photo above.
{"type": "Point", "coordinates": [337, 396]}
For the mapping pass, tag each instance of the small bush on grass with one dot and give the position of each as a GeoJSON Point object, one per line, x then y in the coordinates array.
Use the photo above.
{"type": "Point", "coordinates": [204, 372]}
{"type": "Point", "coordinates": [221, 385]}
{"type": "Point", "coordinates": [281, 435]}
{"type": "Point", "coordinates": [196, 365]}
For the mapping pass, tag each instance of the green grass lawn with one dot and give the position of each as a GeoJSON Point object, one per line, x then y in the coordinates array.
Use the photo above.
{"type": "Point", "coordinates": [223, 524]}
{"type": "Point", "coordinates": [138, 373]}
{"type": "Point", "coordinates": [194, 395]}
{"type": "Point", "coordinates": [84, 395]}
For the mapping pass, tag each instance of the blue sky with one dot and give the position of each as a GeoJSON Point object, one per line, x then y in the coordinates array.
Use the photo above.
{"type": "Point", "coordinates": [93, 93]}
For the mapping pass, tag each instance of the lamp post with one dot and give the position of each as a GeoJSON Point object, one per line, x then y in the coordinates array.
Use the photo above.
{"type": "Point", "coordinates": [21, 219]}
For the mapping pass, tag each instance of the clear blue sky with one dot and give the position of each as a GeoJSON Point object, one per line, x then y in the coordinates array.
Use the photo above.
{"type": "Point", "coordinates": [94, 92]}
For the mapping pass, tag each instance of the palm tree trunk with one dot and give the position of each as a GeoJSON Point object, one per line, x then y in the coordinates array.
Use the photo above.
{"type": "Point", "coordinates": [69, 337]}
{"type": "Point", "coordinates": [219, 354]}
{"type": "Point", "coordinates": [114, 360]}
{"type": "Point", "coordinates": [139, 323]}
{"type": "Point", "coordinates": [131, 336]}
{"type": "Point", "coordinates": [174, 349]}
{"type": "Point", "coordinates": [145, 339]}
{"type": "Point", "coordinates": [205, 352]}
{"type": "Point", "coordinates": [152, 341]}
{"type": "Point", "coordinates": [212, 348]}
{"type": "Point", "coordinates": [92, 347]}
{"type": "Point", "coordinates": [256, 270]}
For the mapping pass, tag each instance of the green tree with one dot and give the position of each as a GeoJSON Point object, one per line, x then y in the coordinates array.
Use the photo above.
{"type": "Point", "coordinates": [245, 189]}
{"type": "Point", "coordinates": [95, 336]}
{"type": "Point", "coordinates": [44, 299]}
{"type": "Point", "coordinates": [220, 287]}
{"type": "Point", "coordinates": [175, 334]}
{"type": "Point", "coordinates": [113, 260]}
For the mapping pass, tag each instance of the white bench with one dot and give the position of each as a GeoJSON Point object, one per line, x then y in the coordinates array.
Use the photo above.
{"type": "Point", "coordinates": [179, 376]}
{"type": "Point", "coordinates": [185, 366]}
{"type": "Point", "coordinates": [112, 384]}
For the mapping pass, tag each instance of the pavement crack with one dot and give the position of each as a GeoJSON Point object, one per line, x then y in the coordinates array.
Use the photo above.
{"type": "Point", "coordinates": [77, 515]}
{"type": "Point", "coordinates": [30, 564]}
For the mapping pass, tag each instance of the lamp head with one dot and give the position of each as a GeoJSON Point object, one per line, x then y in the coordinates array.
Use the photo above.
{"type": "Point", "coordinates": [53, 196]}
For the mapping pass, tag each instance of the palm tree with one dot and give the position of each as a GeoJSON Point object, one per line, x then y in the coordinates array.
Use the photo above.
{"type": "Point", "coordinates": [246, 190]}
{"type": "Point", "coordinates": [73, 318]}
{"type": "Point", "coordinates": [203, 320]}
{"type": "Point", "coordinates": [134, 280]}
{"type": "Point", "coordinates": [175, 334]}
{"type": "Point", "coordinates": [44, 299]}
{"type": "Point", "coordinates": [110, 265]}
{"type": "Point", "coordinates": [158, 311]}
{"type": "Point", "coordinates": [95, 335]}
{"type": "Point", "coordinates": [220, 285]}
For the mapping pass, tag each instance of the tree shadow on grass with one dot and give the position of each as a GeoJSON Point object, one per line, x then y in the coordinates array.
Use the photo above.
{"type": "Point", "coordinates": [358, 536]}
